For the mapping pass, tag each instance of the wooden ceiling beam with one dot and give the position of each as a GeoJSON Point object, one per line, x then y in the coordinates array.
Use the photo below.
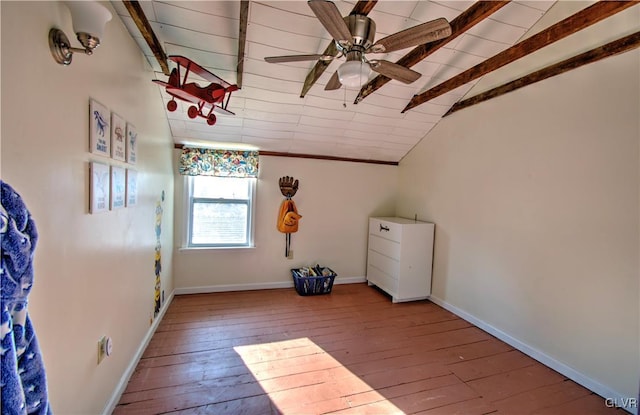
{"type": "Point", "coordinates": [560, 30]}
{"type": "Point", "coordinates": [616, 47]}
{"type": "Point", "coordinates": [242, 40]}
{"type": "Point", "coordinates": [361, 7]}
{"type": "Point", "coordinates": [179, 146]}
{"type": "Point", "coordinates": [138, 16]}
{"type": "Point", "coordinates": [465, 21]}
{"type": "Point", "coordinates": [323, 157]}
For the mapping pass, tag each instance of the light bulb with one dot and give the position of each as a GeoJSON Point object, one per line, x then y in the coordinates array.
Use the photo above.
{"type": "Point", "coordinates": [353, 73]}
{"type": "Point", "coordinates": [88, 17]}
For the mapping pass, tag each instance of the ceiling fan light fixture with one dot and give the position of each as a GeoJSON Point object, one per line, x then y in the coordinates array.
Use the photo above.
{"type": "Point", "coordinates": [354, 73]}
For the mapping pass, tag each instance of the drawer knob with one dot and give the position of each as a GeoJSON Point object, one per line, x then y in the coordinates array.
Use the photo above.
{"type": "Point", "coordinates": [384, 228]}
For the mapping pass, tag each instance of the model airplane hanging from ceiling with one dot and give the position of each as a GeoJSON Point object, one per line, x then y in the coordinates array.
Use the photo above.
{"type": "Point", "coordinates": [206, 99]}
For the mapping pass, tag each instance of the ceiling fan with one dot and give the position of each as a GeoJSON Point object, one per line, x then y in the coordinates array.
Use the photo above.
{"type": "Point", "coordinates": [354, 35]}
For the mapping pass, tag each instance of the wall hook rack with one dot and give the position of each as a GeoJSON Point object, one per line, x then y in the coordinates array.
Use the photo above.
{"type": "Point", "coordinates": [288, 186]}
{"type": "Point", "coordinates": [288, 217]}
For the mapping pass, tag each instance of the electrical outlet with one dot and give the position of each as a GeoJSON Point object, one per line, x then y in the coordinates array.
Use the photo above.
{"type": "Point", "coordinates": [102, 346]}
{"type": "Point", "coordinates": [290, 256]}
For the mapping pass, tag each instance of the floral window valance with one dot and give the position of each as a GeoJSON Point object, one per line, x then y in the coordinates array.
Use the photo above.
{"type": "Point", "coordinates": [222, 163]}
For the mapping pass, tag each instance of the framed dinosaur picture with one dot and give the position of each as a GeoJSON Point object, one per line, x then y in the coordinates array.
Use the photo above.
{"type": "Point", "coordinates": [118, 187]}
{"type": "Point", "coordinates": [118, 143]}
{"type": "Point", "coordinates": [99, 129]}
{"type": "Point", "coordinates": [132, 144]}
{"type": "Point", "coordinates": [132, 187]}
{"type": "Point", "coordinates": [100, 188]}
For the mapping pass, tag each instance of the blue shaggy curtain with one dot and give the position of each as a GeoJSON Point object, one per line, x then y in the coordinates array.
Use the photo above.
{"type": "Point", "coordinates": [24, 383]}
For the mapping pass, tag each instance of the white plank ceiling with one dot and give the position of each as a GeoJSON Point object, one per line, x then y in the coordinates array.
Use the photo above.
{"type": "Point", "coordinates": [270, 115]}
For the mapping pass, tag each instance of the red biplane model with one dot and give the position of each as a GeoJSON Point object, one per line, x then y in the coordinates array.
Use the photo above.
{"type": "Point", "coordinates": [206, 99]}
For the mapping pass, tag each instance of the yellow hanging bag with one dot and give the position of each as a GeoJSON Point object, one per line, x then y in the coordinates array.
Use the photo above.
{"type": "Point", "coordinates": [288, 217]}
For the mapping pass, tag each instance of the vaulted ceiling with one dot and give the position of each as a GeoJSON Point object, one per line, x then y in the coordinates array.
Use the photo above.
{"type": "Point", "coordinates": [283, 108]}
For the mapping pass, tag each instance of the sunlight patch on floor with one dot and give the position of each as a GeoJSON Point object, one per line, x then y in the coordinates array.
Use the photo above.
{"type": "Point", "coordinates": [299, 376]}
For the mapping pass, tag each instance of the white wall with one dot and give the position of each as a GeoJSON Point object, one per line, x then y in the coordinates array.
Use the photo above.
{"type": "Point", "coordinates": [335, 200]}
{"type": "Point", "coordinates": [94, 274]}
{"type": "Point", "coordinates": [535, 197]}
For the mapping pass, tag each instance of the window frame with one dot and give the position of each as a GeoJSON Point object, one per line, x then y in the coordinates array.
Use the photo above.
{"type": "Point", "coordinates": [190, 201]}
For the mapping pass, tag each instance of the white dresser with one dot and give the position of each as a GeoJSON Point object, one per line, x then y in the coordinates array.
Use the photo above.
{"type": "Point", "coordinates": [400, 257]}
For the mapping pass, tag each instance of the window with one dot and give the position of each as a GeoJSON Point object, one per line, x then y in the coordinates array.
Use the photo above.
{"type": "Point", "coordinates": [220, 211]}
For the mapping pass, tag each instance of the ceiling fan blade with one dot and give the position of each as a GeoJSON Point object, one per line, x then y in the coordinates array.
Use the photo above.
{"type": "Point", "coordinates": [395, 71]}
{"type": "Point", "coordinates": [331, 19]}
{"type": "Point", "coordinates": [416, 35]}
{"type": "Point", "coordinates": [334, 82]}
{"type": "Point", "coordinates": [297, 58]}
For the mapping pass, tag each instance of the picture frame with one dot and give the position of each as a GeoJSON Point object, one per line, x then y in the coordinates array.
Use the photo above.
{"type": "Point", "coordinates": [99, 130]}
{"type": "Point", "coordinates": [132, 144]}
{"type": "Point", "coordinates": [118, 143]}
{"type": "Point", "coordinates": [132, 188]}
{"type": "Point", "coordinates": [118, 187]}
{"type": "Point", "coordinates": [99, 187]}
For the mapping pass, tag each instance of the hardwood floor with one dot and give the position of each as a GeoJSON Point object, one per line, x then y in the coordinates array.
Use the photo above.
{"type": "Point", "coordinates": [348, 352]}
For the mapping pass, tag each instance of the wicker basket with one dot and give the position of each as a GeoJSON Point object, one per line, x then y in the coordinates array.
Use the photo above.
{"type": "Point", "coordinates": [313, 285]}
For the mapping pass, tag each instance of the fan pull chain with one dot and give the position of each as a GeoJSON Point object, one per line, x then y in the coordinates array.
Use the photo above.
{"type": "Point", "coordinates": [344, 103]}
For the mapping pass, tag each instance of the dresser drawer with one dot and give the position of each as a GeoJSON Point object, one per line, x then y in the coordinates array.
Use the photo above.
{"type": "Point", "coordinates": [382, 280]}
{"type": "Point", "coordinates": [385, 264]}
{"type": "Point", "coordinates": [384, 246]}
{"type": "Point", "coordinates": [385, 229]}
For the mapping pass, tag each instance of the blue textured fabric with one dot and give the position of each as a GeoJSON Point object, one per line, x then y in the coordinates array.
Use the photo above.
{"type": "Point", "coordinates": [23, 382]}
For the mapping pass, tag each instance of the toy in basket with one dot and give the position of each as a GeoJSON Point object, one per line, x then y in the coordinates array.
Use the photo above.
{"type": "Point", "coordinates": [313, 280]}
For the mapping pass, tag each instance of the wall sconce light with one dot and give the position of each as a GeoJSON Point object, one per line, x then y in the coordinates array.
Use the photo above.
{"type": "Point", "coordinates": [89, 19]}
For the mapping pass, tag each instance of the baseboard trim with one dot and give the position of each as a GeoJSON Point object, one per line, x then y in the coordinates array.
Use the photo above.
{"type": "Point", "coordinates": [571, 373]}
{"type": "Point", "coordinates": [350, 280]}
{"type": "Point", "coordinates": [124, 380]}
{"type": "Point", "coordinates": [256, 286]}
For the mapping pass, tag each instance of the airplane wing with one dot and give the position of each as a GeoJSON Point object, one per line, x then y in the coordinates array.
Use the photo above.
{"type": "Point", "coordinates": [163, 83]}
{"type": "Point", "coordinates": [222, 110]}
{"type": "Point", "coordinates": [199, 70]}
{"type": "Point", "coordinates": [216, 108]}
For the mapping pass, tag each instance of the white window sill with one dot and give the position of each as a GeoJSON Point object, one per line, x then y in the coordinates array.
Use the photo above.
{"type": "Point", "coordinates": [215, 248]}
